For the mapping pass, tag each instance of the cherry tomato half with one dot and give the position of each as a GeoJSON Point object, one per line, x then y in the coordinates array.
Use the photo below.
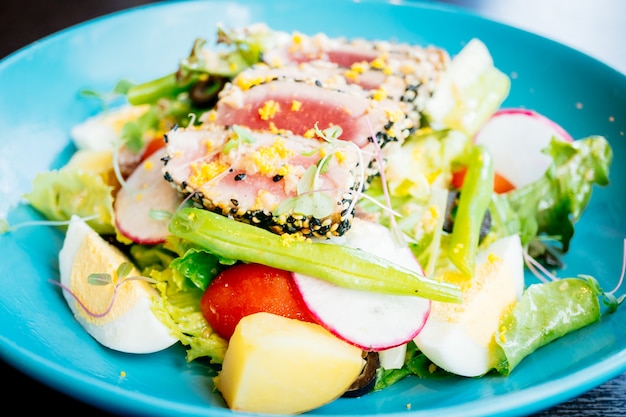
{"type": "Point", "coordinates": [500, 184]}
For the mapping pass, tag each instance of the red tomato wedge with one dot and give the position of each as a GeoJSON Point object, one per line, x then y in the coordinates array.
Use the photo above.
{"type": "Point", "coordinates": [500, 184]}
{"type": "Point", "coordinates": [245, 289]}
{"type": "Point", "coordinates": [151, 147]}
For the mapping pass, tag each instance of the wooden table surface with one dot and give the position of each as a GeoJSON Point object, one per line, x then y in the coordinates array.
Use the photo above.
{"type": "Point", "coordinates": [595, 27]}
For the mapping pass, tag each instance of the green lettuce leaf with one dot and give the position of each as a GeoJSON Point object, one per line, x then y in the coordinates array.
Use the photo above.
{"type": "Point", "coordinates": [552, 205]}
{"type": "Point", "coordinates": [59, 194]}
{"type": "Point", "coordinates": [469, 92]}
{"type": "Point", "coordinates": [149, 257]}
{"type": "Point", "coordinates": [179, 309]}
{"type": "Point", "coordinates": [183, 271]}
{"type": "Point", "coordinates": [417, 177]}
{"type": "Point", "coordinates": [415, 363]}
{"type": "Point", "coordinates": [545, 313]}
{"type": "Point", "coordinates": [199, 266]}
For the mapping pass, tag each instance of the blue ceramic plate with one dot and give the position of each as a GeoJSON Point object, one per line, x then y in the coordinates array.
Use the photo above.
{"type": "Point", "coordinates": [40, 102]}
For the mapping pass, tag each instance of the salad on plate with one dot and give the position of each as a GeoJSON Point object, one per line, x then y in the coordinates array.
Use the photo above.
{"type": "Point", "coordinates": [315, 217]}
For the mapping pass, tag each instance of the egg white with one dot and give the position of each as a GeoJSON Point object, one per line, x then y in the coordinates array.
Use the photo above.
{"type": "Point", "coordinates": [461, 338]}
{"type": "Point", "coordinates": [130, 326]}
{"type": "Point", "coordinates": [103, 131]}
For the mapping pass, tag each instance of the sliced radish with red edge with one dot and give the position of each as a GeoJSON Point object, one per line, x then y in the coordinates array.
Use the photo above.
{"type": "Point", "coordinates": [516, 138]}
{"type": "Point", "coordinates": [369, 320]}
{"type": "Point", "coordinates": [145, 190]}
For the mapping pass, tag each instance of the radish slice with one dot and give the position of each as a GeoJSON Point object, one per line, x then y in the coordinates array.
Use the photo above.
{"type": "Point", "coordinates": [369, 320]}
{"type": "Point", "coordinates": [516, 138]}
{"type": "Point", "coordinates": [144, 191]}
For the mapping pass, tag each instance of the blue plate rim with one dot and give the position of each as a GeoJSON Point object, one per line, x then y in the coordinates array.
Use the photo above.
{"type": "Point", "coordinates": [591, 376]}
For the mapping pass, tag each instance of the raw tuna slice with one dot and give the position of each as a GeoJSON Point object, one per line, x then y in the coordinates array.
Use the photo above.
{"type": "Point", "coordinates": [294, 105]}
{"type": "Point", "coordinates": [267, 179]}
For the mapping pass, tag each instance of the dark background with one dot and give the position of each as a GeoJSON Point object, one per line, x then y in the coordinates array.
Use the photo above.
{"type": "Point", "coordinates": [596, 27]}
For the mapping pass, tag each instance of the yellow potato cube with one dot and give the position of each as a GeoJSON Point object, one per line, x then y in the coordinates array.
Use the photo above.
{"type": "Point", "coordinates": [285, 366]}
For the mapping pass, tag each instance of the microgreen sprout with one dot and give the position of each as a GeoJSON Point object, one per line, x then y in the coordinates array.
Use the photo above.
{"type": "Point", "coordinates": [103, 279]}
{"type": "Point", "coordinates": [331, 135]}
{"type": "Point", "coordinates": [609, 299]}
{"type": "Point", "coordinates": [165, 215]}
{"type": "Point", "coordinates": [116, 165]}
{"type": "Point", "coordinates": [243, 135]}
{"type": "Point", "coordinates": [160, 214]}
{"type": "Point", "coordinates": [311, 199]}
{"type": "Point", "coordinates": [537, 268]}
{"type": "Point", "coordinates": [192, 119]}
{"type": "Point", "coordinates": [5, 227]}
{"type": "Point", "coordinates": [106, 99]}
{"type": "Point", "coordinates": [396, 232]}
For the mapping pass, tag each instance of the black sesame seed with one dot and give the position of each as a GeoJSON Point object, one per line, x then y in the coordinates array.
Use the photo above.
{"type": "Point", "coordinates": [277, 178]}
{"type": "Point", "coordinates": [240, 177]}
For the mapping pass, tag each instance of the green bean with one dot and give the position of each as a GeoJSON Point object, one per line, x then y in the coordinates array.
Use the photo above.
{"type": "Point", "coordinates": [341, 265]}
{"type": "Point", "coordinates": [474, 200]}
{"type": "Point", "coordinates": [166, 86]}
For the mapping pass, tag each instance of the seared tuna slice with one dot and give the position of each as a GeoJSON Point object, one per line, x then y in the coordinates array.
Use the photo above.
{"type": "Point", "coordinates": [297, 105]}
{"type": "Point", "coordinates": [278, 181]}
{"type": "Point", "coordinates": [404, 72]}
{"type": "Point", "coordinates": [321, 73]}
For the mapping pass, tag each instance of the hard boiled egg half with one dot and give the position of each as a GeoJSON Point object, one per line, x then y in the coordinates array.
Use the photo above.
{"type": "Point", "coordinates": [103, 131]}
{"type": "Point", "coordinates": [460, 338]}
{"type": "Point", "coordinates": [120, 316]}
